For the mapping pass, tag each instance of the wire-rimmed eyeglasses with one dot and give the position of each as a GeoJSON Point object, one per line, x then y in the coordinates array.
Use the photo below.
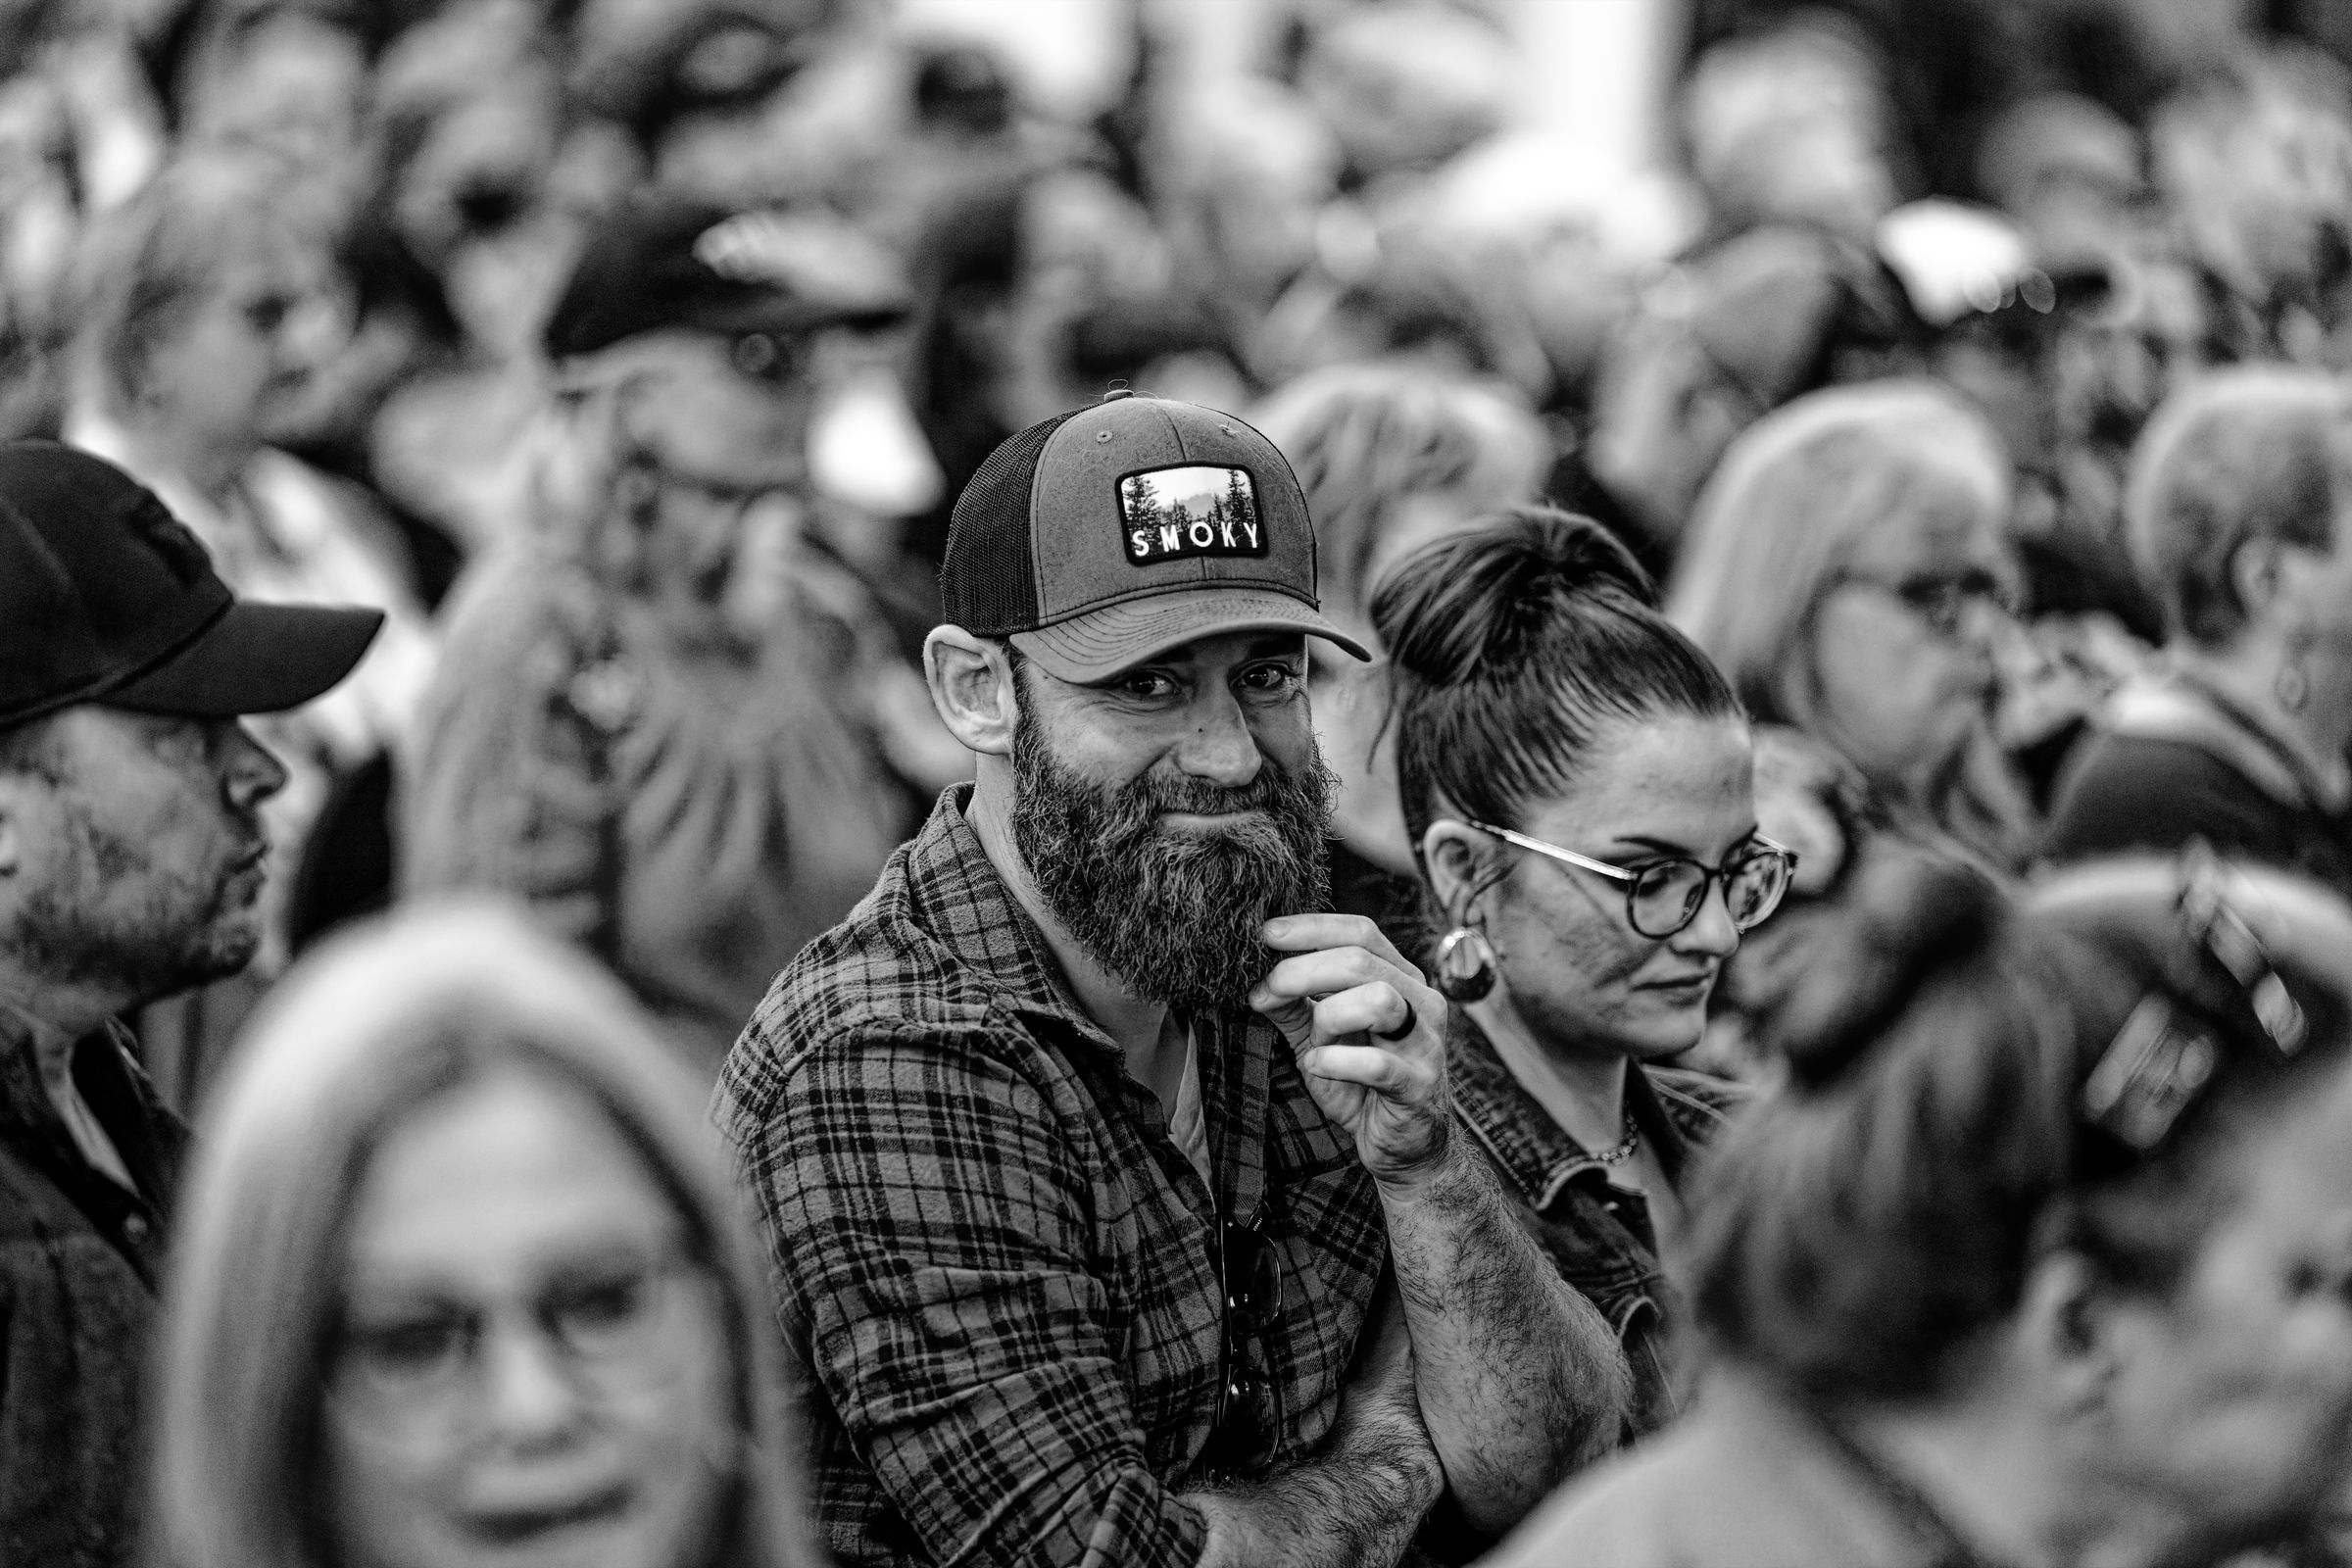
{"type": "Point", "coordinates": [1665, 895]}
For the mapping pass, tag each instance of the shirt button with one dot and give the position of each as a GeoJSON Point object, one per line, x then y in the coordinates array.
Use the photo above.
{"type": "Point", "coordinates": [135, 1227]}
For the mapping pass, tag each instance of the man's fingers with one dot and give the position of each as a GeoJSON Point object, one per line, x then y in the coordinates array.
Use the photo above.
{"type": "Point", "coordinates": [1308, 933]}
{"type": "Point", "coordinates": [1329, 971]}
{"type": "Point", "coordinates": [1383, 1072]}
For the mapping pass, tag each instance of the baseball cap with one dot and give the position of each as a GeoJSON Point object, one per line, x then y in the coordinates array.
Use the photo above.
{"type": "Point", "coordinates": [105, 597]}
{"type": "Point", "coordinates": [672, 261]}
{"type": "Point", "coordinates": [1105, 537]}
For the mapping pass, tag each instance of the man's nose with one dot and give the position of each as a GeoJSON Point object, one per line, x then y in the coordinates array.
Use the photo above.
{"type": "Point", "coordinates": [1219, 748]}
{"type": "Point", "coordinates": [251, 772]}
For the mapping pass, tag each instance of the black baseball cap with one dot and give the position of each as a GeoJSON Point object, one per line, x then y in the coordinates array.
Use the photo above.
{"type": "Point", "coordinates": [1106, 536]}
{"type": "Point", "coordinates": [668, 261]}
{"type": "Point", "coordinates": [105, 597]}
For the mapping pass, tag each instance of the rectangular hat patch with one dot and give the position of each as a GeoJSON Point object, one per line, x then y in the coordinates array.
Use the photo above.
{"type": "Point", "coordinates": [1170, 513]}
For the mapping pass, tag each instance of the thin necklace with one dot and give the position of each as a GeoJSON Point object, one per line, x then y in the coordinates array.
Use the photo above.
{"type": "Point", "coordinates": [1621, 1152]}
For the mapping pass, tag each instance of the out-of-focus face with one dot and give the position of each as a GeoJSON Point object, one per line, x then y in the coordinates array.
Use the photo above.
{"type": "Point", "coordinates": [531, 1368]}
{"type": "Point", "coordinates": [2264, 199]}
{"type": "Point", "coordinates": [2317, 599]}
{"type": "Point", "coordinates": [2232, 1399]}
{"type": "Point", "coordinates": [291, 88]}
{"type": "Point", "coordinates": [232, 374]}
{"type": "Point", "coordinates": [1572, 967]}
{"type": "Point", "coordinates": [725, 424]}
{"type": "Point", "coordinates": [132, 862]}
{"type": "Point", "coordinates": [1902, 642]}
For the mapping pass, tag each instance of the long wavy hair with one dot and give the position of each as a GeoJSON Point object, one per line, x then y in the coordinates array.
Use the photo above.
{"type": "Point", "coordinates": [379, 1023]}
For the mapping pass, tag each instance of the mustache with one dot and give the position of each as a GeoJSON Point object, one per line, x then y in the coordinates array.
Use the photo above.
{"type": "Point", "coordinates": [1185, 795]}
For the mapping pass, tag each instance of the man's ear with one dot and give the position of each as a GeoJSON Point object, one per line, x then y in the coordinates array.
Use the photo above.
{"type": "Point", "coordinates": [2073, 1338]}
{"type": "Point", "coordinates": [975, 689]}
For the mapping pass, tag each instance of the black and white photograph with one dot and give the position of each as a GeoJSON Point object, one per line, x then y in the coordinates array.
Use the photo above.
{"type": "Point", "coordinates": [1175, 783]}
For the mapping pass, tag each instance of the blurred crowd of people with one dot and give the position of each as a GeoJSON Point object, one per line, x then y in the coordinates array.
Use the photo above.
{"type": "Point", "coordinates": [1796, 990]}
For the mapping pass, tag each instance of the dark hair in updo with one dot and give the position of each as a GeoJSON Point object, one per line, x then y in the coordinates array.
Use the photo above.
{"type": "Point", "coordinates": [1513, 648]}
{"type": "Point", "coordinates": [1852, 1232]}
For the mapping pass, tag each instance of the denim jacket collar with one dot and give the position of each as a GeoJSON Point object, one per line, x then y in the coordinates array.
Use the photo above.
{"type": "Point", "coordinates": [1538, 1156]}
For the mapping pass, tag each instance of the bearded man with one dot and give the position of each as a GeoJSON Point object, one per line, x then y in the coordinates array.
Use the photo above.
{"type": "Point", "coordinates": [1111, 1187]}
{"type": "Point", "coordinates": [132, 853]}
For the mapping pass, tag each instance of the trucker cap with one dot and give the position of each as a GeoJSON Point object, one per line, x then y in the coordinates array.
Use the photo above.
{"type": "Point", "coordinates": [672, 261]}
{"type": "Point", "coordinates": [1111, 534]}
{"type": "Point", "coordinates": [105, 597]}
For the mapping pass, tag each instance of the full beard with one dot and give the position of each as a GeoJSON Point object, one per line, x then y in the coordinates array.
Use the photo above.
{"type": "Point", "coordinates": [1174, 915]}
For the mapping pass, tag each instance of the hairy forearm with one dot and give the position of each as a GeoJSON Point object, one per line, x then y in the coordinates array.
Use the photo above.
{"type": "Point", "coordinates": [1355, 1501]}
{"type": "Point", "coordinates": [1520, 1378]}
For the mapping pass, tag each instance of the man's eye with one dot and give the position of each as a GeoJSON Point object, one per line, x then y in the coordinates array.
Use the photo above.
{"type": "Point", "coordinates": [1148, 683]}
{"type": "Point", "coordinates": [1271, 677]}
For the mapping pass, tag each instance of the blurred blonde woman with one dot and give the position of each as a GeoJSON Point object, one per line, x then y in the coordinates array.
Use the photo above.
{"type": "Point", "coordinates": [461, 1279]}
{"type": "Point", "coordinates": [1849, 567]}
{"type": "Point", "coordinates": [1391, 458]}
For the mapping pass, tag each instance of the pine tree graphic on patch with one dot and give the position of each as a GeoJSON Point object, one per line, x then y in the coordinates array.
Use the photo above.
{"type": "Point", "coordinates": [1170, 513]}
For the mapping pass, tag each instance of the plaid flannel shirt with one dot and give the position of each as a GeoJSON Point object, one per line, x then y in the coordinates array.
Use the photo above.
{"type": "Point", "coordinates": [992, 1258]}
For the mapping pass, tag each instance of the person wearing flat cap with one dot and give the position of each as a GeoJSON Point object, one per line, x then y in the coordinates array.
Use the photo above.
{"type": "Point", "coordinates": [131, 865]}
{"type": "Point", "coordinates": [651, 720]}
{"type": "Point", "coordinates": [1109, 1179]}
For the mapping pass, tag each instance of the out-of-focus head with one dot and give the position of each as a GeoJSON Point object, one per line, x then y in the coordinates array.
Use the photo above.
{"type": "Point", "coordinates": [1538, 692]}
{"type": "Point", "coordinates": [1250, 167]}
{"type": "Point", "coordinates": [687, 338]}
{"type": "Point", "coordinates": [282, 82]}
{"type": "Point", "coordinates": [2235, 503]}
{"type": "Point", "coordinates": [1406, 86]}
{"type": "Point", "coordinates": [1791, 125]}
{"type": "Point", "coordinates": [1717, 342]}
{"type": "Point", "coordinates": [467, 113]}
{"type": "Point", "coordinates": [2087, 1160]}
{"type": "Point", "coordinates": [2256, 162]}
{"type": "Point", "coordinates": [1391, 458]}
{"type": "Point", "coordinates": [1845, 566]}
{"type": "Point", "coordinates": [203, 306]}
{"type": "Point", "coordinates": [130, 842]}
{"type": "Point", "coordinates": [461, 1279]}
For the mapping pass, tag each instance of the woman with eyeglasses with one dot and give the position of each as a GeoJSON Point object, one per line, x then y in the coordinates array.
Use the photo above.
{"type": "Point", "coordinates": [1578, 782]}
{"type": "Point", "coordinates": [2044, 1256]}
{"type": "Point", "coordinates": [461, 1281]}
{"type": "Point", "coordinates": [1850, 567]}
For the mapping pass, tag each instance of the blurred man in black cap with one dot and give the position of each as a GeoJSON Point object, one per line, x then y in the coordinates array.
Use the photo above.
{"type": "Point", "coordinates": [131, 863]}
{"type": "Point", "coordinates": [652, 719]}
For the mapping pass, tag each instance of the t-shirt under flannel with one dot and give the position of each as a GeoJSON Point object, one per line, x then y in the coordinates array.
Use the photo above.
{"type": "Point", "coordinates": [992, 1258]}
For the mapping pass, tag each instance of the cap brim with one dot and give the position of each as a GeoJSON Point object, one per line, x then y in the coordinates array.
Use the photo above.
{"type": "Point", "coordinates": [791, 314]}
{"type": "Point", "coordinates": [256, 658]}
{"type": "Point", "coordinates": [1101, 643]}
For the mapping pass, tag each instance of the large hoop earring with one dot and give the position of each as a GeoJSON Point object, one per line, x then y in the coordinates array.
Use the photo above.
{"type": "Point", "coordinates": [1465, 964]}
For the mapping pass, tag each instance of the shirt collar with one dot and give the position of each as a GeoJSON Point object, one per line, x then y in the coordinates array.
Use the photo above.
{"type": "Point", "coordinates": [1539, 1155]}
{"type": "Point", "coordinates": [955, 892]}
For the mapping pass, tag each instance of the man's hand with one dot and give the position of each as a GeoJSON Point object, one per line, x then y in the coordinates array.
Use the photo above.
{"type": "Point", "coordinates": [1338, 1000]}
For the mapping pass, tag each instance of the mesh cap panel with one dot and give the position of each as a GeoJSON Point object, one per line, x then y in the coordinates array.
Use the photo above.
{"type": "Point", "coordinates": [988, 579]}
